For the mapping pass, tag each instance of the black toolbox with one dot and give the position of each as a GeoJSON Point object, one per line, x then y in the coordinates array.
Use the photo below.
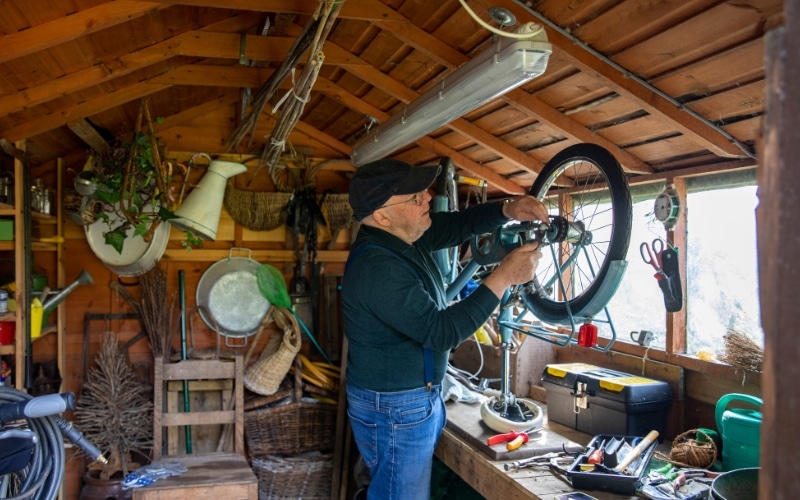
{"type": "Point", "coordinates": [603, 477]}
{"type": "Point", "coordinates": [597, 400]}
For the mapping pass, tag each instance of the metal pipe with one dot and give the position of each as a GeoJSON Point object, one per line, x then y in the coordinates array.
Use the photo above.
{"type": "Point", "coordinates": [186, 406]}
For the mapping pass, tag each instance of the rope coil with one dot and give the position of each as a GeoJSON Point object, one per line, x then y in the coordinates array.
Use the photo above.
{"type": "Point", "coordinates": [689, 451]}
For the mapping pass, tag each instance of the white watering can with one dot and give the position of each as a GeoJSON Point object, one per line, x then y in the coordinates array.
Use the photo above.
{"type": "Point", "coordinates": [201, 210]}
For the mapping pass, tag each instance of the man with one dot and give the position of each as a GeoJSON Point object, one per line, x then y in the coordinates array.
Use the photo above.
{"type": "Point", "coordinates": [399, 327]}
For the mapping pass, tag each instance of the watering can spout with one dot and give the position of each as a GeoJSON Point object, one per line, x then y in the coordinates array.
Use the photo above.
{"type": "Point", "coordinates": [51, 303]}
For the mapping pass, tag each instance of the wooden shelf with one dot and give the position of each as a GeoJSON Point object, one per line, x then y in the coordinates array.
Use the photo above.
{"type": "Point", "coordinates": [7, 349]}
{"type": "Point", "coordinates": [44, 218]}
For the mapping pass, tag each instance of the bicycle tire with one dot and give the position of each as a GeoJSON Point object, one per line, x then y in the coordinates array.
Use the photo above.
{"type": "Point", "coordinates": [593, 158]}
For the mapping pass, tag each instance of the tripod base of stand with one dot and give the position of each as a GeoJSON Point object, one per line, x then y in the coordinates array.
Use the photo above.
{"type": "Point", "coordinates": [510, 422]}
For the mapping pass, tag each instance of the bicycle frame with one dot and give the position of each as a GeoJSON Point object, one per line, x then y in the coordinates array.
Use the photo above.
{"type": "Point", "coordinates": [597, 205]}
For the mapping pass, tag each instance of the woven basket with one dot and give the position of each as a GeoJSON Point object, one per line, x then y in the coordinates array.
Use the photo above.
{"type": "Point", "coordinates": [265, 375]}
{"type": "Point", "coordinates": [308, 477]}
{"type": "Point", "coordinates": [293, 428]}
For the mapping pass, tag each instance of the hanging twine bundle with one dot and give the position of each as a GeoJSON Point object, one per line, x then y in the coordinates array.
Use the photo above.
{"type": "Point", "coordinates": [688, 451]}
{"type": "Point", "coordinates": [741, 352]}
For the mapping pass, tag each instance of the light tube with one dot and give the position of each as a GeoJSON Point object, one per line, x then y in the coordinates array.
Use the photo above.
{"type": "Point", "coordinates": [502, 67]}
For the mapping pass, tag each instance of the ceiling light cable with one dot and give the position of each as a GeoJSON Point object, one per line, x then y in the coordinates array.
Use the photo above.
{"type": "Point", "coordinates": [526, 31]}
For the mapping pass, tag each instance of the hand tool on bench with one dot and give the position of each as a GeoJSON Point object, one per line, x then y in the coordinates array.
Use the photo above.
{"type": "Point", "coordinates": [540, 460]}
{"type": "Point", "coordinates": [622, 467]}
{"type": "Point", "coordinates": [513, 438]}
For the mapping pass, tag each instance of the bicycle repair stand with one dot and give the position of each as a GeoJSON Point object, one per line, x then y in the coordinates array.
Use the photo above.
{"type": "Point", "coordinates": [506, 407]}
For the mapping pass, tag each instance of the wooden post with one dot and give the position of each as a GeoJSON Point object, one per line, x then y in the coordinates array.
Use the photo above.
{"type": "Point", "coordinates": [778, 217]}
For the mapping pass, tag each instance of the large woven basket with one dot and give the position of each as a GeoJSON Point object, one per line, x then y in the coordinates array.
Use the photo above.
{"type": "Point", "coordinates": [293, 428]}
{"type": "Point", "coordinates": [307, 477]}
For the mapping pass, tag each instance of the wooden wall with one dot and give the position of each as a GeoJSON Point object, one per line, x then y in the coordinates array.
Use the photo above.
{"type": "Point", "coordinates": [272, 247]}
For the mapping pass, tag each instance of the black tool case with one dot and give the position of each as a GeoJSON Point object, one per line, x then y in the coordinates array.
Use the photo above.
{"type": "Point", "coordinates": [597, 400]}
{"type": "Point", "coordinates": [609, 480]}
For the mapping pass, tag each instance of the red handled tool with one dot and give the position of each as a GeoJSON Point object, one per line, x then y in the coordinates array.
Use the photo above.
{"type": "Point", "coordinates": [514, 439]}
{"type": "Point", "coordinates": [651, 254]}
{"type": "Point", "coordinates": [596, 457]}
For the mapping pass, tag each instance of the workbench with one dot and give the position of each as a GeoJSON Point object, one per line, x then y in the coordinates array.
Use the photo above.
{"type": "Point", "coordinates": [460, 450]}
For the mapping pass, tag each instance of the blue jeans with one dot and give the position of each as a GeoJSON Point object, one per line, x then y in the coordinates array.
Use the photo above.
{"type": "Point", "coordinates": [396, 433]}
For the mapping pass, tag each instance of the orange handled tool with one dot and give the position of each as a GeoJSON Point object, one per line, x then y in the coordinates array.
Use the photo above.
{"type": "Point", "coordinates": [514, 439]}
{"type": "Point", "coordinates": [596, 457]}
{"type": "Point", "coordinates": [517, 442]}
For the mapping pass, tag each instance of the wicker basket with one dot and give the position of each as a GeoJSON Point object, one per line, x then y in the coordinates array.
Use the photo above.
{"type": "Point", "coordinates": [293, 428]}
{"type": "Point", "coordinates": [307, 477]}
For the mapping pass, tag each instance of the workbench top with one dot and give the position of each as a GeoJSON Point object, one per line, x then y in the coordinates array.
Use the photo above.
{"type": "Point", "coordinates": [462, 448]}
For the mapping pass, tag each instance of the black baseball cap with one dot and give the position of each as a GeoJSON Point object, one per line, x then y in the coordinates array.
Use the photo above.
{"type": "Point", "coordinates": [375, 182]}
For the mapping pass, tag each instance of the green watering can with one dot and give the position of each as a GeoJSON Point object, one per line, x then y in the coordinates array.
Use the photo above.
{"type": "Point", "coordinates": [741, 431]}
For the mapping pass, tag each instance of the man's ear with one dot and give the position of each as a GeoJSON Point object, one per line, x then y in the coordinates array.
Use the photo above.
{"type": "Point", "coordinates": [380, 218]}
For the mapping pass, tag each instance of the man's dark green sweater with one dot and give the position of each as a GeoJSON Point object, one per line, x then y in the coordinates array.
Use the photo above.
{"type": "Point", "coordinates": [393, 298]}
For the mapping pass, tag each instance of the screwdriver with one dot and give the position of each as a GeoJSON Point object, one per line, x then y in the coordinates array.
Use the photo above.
{"type": "Point", "coordinates": [596, 457]}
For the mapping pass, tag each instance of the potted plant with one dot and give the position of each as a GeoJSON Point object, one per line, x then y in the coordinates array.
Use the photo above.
{"type": "Point", "coordinates": [133, 186]}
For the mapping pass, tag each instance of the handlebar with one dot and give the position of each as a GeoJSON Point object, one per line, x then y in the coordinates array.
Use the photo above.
{"type": "Point", "coordinates": [40, 406]}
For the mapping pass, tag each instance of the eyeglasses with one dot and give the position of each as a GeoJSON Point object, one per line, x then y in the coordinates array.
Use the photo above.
{"type": "Point", "coordinates": [416, 199]}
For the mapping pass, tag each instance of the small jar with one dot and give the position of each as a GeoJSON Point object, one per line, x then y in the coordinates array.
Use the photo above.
{"type": "Point", "coordinates": [3, 301]}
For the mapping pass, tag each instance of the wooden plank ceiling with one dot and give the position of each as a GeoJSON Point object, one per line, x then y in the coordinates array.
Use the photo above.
{"type": "Point", "coordinates": [663, 85]}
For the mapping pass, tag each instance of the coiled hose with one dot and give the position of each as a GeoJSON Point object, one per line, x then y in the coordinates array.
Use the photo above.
{"type": "Point", "coordinates": [45, 471]}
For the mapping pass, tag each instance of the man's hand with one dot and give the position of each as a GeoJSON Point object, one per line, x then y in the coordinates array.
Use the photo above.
{"type": "Point", "coordinates": [519, 266]}
{"type": "Point", "coordinates": [526, 208]}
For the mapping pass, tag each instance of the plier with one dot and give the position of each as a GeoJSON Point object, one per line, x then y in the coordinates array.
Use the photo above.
{"type": "Point", "coordinates": [514, 439]}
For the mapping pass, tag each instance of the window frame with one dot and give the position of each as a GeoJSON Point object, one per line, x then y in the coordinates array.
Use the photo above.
{"type": "Point", "coordinates": [676, 322]}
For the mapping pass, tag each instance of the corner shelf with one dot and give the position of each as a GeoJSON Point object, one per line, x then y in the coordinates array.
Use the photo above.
{"type": "Point", "coordinates": [44, 235]}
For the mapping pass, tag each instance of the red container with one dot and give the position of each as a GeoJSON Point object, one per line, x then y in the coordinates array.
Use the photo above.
{"type": "Point", "coordinates": [7, 329]}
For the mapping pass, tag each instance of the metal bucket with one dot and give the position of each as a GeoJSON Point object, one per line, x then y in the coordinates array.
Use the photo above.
{"type": "Point", "coordinates": [228, 298]}
{"type": "Point", "coordinates": [739, 484]}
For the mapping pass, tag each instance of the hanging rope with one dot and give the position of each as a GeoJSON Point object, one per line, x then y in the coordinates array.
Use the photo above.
{"type": "Point", "coordinates": [293, 102]}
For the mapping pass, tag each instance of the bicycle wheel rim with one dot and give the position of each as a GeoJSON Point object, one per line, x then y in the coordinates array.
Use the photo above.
{"type": "Point", "coordinates": [591, 187]}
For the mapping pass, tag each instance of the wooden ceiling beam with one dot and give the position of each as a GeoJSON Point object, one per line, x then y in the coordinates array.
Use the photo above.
{"type": "Point", "coordinates": [655, 104]}
{"type": "Point", "coordinates": [108, 70]}
{"type": "Point", "coordinates": [572, 129]}
{"type": "Point", "coordinates": [365, 10]}
{"type": "Point", "coordinates": [60, 118]}
{"type": "Point", "coordinates": [323, 138]}
{"type": "Point", "coordinates": [88, 134]}
{"type": "Point", "coordinates": [185, 76]}
{"type": "Point", "coordinates": [50, 34]}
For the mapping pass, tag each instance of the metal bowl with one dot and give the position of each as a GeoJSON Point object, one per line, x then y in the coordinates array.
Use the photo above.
{"type": "Point", "coordinates": [738, 484]}
{"type": "Point", "coordinates": [228, 297]}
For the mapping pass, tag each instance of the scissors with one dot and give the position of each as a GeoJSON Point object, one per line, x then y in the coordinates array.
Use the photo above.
{"type": "Point", "coordinates": [651, 253]}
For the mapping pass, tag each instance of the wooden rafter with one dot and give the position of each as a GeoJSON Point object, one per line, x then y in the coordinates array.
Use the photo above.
{"type": "Point", "coordinates": [50, 34]}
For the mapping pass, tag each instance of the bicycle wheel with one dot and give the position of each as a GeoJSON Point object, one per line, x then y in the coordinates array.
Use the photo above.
{"type": "Point", "coordinates": [595, 226]}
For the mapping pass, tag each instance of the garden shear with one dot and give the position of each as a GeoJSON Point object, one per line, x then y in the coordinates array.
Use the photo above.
{"type": "Point", "coordinates": [652, 254]}
{"type": "Point", "coordinates": [657, 255]}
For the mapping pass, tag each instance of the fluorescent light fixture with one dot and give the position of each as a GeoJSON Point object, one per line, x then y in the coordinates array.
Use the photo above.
{"type": "Point", "coordinates": [504, 66]}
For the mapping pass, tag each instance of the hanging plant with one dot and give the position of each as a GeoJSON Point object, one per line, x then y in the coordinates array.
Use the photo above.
{"type": "Point", "coordinates": [134, 185]}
